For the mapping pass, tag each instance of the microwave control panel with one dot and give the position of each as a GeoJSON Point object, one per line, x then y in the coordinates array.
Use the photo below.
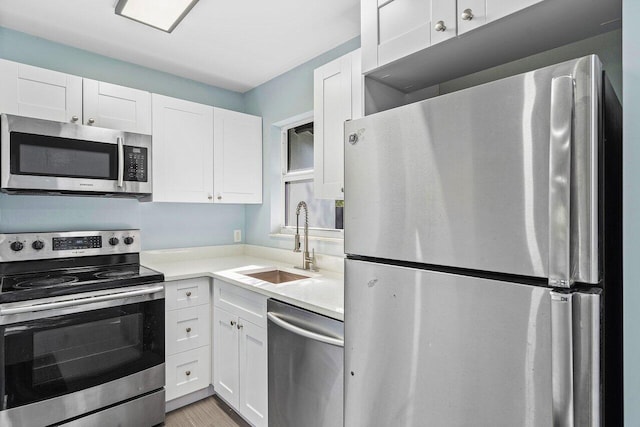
{"type": "Point", "coordinates": [135, 163]}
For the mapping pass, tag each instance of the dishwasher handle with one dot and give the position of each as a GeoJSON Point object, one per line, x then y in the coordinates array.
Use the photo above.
{"type": "Point", "coordinates": [304, 332]}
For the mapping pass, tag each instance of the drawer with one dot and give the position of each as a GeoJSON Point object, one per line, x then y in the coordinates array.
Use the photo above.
{"type": "Point", "coordinates": [188, 371]}
{"type": "Point", "coordinates": [186, 293]}
{"type": "Point", "coordinates": [251, 306]}
{"type": "Point", "coordinates": [187, 328]}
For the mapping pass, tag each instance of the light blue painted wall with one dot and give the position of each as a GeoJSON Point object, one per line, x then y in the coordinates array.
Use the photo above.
{"type": "Point", "coordinates": [285, 96]}
{"type": "Point", "coordinates": [631, 197]}
{"type": "Point", "coordinates": [163, 225]}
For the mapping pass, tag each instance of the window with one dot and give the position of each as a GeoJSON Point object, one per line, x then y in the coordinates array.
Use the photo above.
{"type": "Point", "coordinates": [325, 216]}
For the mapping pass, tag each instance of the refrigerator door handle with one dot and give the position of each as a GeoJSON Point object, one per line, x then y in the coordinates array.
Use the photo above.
{"type": "Point", "coordinates": [561, 124]}
{"type": "Point", "coordinates": [562, 359]}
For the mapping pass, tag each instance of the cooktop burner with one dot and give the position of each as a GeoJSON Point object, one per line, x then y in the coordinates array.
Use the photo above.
{"type": "Point", "coordinates": [45, 281]}
{"type": "Point", "coordinates": [115, 274]}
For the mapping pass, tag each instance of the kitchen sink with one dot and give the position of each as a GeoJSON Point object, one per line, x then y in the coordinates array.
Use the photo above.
{"type": "Point", "coordinates": [276, 276]}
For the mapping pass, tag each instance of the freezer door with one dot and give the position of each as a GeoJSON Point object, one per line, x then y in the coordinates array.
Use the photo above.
{"type": "Point", "coordinates": [500, 177]}
{"type": "Point", "coordinates": [426, 348]}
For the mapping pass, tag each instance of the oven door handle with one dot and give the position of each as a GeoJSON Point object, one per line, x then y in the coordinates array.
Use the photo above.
{"type": "Point", "coordinates": [79, 301]}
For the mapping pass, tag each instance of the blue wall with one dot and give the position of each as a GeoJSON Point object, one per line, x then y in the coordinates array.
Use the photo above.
{"type": "Point", "coordinates": [283, 97]}
{"type": "Point", "coordinates": [163, 225]}
{"type": "Point", "coordinates": [631, 194]}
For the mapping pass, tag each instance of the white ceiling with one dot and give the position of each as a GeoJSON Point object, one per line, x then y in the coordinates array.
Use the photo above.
{"type": "Point", "coordinates": [233, 44]}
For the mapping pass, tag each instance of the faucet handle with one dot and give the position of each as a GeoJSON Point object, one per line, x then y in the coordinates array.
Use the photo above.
{"type": "Point", "coordinates": [312, 262]}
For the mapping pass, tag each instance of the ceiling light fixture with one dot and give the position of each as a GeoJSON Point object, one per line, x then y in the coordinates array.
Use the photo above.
{"type": "Point", "coordinates": [164, 15]}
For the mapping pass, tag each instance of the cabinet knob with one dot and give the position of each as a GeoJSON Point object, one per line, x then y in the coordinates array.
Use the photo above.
{"type": "Point", "coordinates": [188, 373]}
{"type": "Point", "coordinates": [233, 323]}
{"type": "Point", "coordinates": [353, 138]}
{"type": "Point", "coordinates": [210, 197]}
{"type": "Point", "coordinates": [74, 118]}
{"type": "Point", "coordinates": [467, 15]}
{"type": "Point", "coordinates": [219, 197]}
{"type": "Point", "coordinates": [239, 325]}
{"type": "Point", "coordinates": [188, 293]}
{"type": "Point", "coordinates": [440, 26]}
{"type": "Point", "coordinates": [188, 330]}
{"type": "Point", "coordinates": [91, 120]}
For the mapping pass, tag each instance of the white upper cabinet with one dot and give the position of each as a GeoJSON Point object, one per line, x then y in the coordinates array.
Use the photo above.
{"type": "Point", "coordinates": [182, 150]}
{"type": "Point", "coordinates": [40, 93]}
{"type": "Point", "coordinates": [393, 29]}
{"type": "Point", "coordinates": [116, 107]}
{"type": "Point", "coordinates": [51, 95]}
{"type": "Point", "coordinates": [337, 97]}
{"type": "Point", "coordinates": [237, 169]}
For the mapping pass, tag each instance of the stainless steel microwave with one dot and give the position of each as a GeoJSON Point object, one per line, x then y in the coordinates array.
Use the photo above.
{"type": "Point", "coordinates": [42, 156]}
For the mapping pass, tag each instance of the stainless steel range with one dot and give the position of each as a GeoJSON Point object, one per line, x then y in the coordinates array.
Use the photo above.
{"type": "Point", "coordinates": [81, 331]}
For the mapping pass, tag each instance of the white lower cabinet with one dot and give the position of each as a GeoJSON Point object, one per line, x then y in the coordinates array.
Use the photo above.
{"type": "Point", "coordinates": [187, 336]}
{"type": "Point", "coordinates": [240, 351]}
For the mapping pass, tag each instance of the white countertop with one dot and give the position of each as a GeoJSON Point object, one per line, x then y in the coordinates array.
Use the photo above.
{"type": "Point", "coordinates": [322, 292]}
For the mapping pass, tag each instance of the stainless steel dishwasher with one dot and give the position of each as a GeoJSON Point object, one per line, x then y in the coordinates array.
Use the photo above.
{"type": "Point", "coordinates": [306, 367]}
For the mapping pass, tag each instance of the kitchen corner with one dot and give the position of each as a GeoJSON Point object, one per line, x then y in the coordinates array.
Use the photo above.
{"type": "Point", "coordinates": [322, 292]}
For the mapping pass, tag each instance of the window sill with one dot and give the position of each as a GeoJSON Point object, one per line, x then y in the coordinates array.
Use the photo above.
{"type": "Point", "coordinates": [311, 237]}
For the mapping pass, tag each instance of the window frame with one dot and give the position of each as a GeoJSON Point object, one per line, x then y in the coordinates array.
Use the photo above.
{"type": "Point", "coordinates": [299, 175]}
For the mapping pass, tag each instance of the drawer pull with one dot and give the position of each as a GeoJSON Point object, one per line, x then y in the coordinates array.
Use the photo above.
{"type": "Point", "coordinates": [188, 373]}
{"type": "Point", "coordinates": [188, 293]}
{"type": "Point", "coordinates": [188, 330]}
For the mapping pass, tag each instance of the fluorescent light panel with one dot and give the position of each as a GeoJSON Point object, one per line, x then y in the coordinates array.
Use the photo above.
{"type": "Point", "coordinates": [164, 15]}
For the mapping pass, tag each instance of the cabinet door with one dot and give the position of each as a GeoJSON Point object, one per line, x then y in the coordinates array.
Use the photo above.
{"type": "Point", "coordinates": [237, 169]}
{"type": "Point", "coordinates": [337, 97]}
{"type": "Point", "coordinates": [401, 28]}
{"type": "Point", "coordinates": [187, 328]}
{"type": "Point", "coordinates": [225, 356]}
{"type": "Point", "coordinates": [253, 373]}
{"type": "Point", "coordinates": [443, 22]}
{"type": "Point", "coordinates": [40, 93]}
{"type": "Point", "coordinates": [116, 107]}
{"type": "Point", "coordinates": [182, 151]}
{"type": "Point", "coordinates": [187, 372]}
{"type": "Point", "coordinates": [471, 15]}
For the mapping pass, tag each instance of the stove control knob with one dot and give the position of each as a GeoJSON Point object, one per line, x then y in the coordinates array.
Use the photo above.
{"type": "Point", "coordinates": [128, 240]}
{"type": "Point", "coordinates": [16, 246]}
{"type": "Point", "coordinates": [37, 245]}
{"type": "Point", "coordinates": [114, 241]}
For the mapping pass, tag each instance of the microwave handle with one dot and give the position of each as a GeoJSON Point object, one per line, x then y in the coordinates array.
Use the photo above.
{"type": "Point", "coordinates": [120, 162]}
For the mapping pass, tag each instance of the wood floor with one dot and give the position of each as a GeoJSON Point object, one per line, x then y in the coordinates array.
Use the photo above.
{"type": "Point", "coordinates": [209, 412]}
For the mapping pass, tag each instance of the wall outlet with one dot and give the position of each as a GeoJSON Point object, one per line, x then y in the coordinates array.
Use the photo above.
{"type": "Point", "coordinates": [237, 236]}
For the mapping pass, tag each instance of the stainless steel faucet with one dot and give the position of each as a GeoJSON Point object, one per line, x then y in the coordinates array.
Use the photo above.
{"type": "Point", "coordinates": [308, 262]}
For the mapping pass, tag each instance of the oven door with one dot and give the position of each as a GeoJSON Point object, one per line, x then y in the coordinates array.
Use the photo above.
{"type": "Point", "coordinates": [71, 357]}
{"type": "Point", "coordinates": [41, 155]}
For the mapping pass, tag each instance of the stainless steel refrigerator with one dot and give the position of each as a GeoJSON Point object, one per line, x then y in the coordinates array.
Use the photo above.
{"type": "Point", "coordinates": [483, 274]}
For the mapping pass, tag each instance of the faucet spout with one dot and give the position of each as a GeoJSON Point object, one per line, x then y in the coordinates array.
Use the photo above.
{"type": "Point", "coordinates": [308, 262]}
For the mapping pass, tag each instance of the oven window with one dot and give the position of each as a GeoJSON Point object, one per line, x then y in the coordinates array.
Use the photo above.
{"type": "Point", "coordinates": [62, 157]}
{"type": "Point", "coordinates": [54, 356]}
